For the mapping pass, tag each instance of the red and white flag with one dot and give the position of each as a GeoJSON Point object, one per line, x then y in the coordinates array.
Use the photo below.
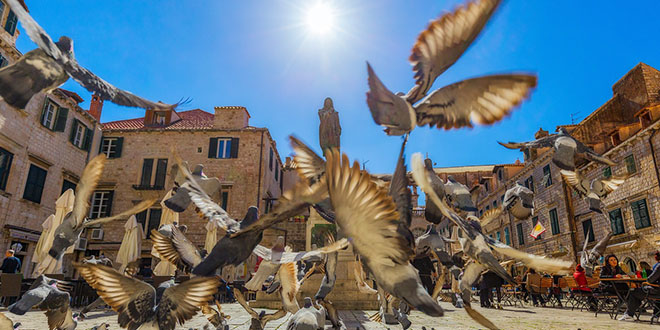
{"type": "Point", "coordinates": [537, 230]}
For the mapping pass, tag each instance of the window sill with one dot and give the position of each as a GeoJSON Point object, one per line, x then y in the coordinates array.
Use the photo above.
{"type": "Point", "coordinates": [147, 187]}
{"type": "Point", "coordinates": [30, 202]}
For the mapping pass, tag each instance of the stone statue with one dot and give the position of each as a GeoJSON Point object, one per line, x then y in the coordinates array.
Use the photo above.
{"type": "Point", "coordinates": [329, 128]}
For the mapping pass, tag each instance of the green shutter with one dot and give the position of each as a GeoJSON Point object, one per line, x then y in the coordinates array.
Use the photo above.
{"type": "Point", "coordinates": [118, 147]}
{"type": "Point", "coordinates": [147, 166]}
{"type": "Point", "coordinates": [60, 122]}
{"type": "Point", "coordinates": [161, 172]}
{"type": "Point", "coordinates": [108, 208]}
{"type": "Point", "coordinates": [213, 147]}
{"type": "Point", "coordinates": [43, 112]}
{"type": "Point", "coordinates": [87, 140]}
{"type": "Point", "coordinates": [234, 148]}
{"type": "Point", "coordinates": [72, 133]}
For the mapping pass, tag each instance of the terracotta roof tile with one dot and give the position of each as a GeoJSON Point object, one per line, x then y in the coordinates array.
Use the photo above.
{"type": "Point", "coordinates": [191, 119]}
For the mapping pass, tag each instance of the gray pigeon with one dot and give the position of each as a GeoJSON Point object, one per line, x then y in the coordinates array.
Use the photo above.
{"type": "Point", "coordinates": [458, 195]}
{"type": "Point", "coordinates": [594, 190]}
{"type": "Point", "coordinates": [181, 199]}
{"type": "Point", "coordinates": [432, 213]}
{"type": "Point", "coordinates": [45, 294]}
{"type": "Point", "coordinates": [306, 318]}
{"type": "Point", "coordinates": [49, 66]}
{"type": "Point", "coordinates": [484, 99]}
{"type": "Point", "coordinates": [519, 201]}
{"type": "Point", "coordinates": [431, 240]}
{"type": "Point", "coordinates": [565, 146]}
{"type": "Point", "coordinates": [176, 248]}
{"type": "Point", "coordinates": [139, 305]}
{"type": "Point", "coordinates": [589, 258]}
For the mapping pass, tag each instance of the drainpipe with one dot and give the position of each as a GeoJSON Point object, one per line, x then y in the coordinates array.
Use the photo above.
{"type": "Point", "coordinates": [571, 218]}
{"type": "Point", "coordinates": [261, 157]}
{"type": "Point", "coordinates": [655, 159]}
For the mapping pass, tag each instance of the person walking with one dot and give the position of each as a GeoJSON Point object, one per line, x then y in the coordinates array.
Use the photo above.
{"type": "Point", "coordinates": [11, 264]}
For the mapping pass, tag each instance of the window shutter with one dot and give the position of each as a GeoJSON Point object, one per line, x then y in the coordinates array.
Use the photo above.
{"type": "Point", "coordinates": [87, 141]}
{"type": "Point", "coordinates": [141, 218]}
{"type": "Point", "coordinates": [154, 221]}
{"type": "Point", "coordinates": [213, 147]}
{"type": "Point", "coordinates": [147, 165]}
{"type": "Point", "coordinates": [161, 172]}
{"type": "Point", "coordinates": [43, 112]}
{"type": "Point", "coordinates": [108, 208]}
{"type": "Point", "coordinates": [72, 134]}
{"type": "Point", "coordinates": [118, 146]}
{"type": "Point", "coordinates": [234, 148]}
{"type": "Point", "coordinates": [60, 122]}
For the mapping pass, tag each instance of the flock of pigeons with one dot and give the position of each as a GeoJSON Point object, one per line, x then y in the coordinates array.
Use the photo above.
{"type": "Point", "coordinates": [373, 213]}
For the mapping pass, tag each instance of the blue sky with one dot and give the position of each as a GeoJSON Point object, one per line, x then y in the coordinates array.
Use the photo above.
{"type": "Point", "coordinates": [261, 55]}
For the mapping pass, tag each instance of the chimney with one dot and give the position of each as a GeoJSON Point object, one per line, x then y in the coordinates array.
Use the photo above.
{"type": "Point", "coordinates": [96, 106]}
{"type": "Point", "coordinates": [231, 117]}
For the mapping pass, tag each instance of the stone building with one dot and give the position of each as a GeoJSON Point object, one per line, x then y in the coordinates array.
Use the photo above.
{"type": "Point", "coordinates": [43, 150]}
{"type": "Point", "coordinates": [624, 129]}
{"type": "Point", "coordinates": [139, 151]}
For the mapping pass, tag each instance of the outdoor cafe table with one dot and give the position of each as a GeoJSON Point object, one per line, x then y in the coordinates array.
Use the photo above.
{"type": "Point", "coordinates": [632, 282]}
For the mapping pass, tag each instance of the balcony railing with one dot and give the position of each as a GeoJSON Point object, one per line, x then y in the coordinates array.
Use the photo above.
{"type": "Point", "coordinates": [418, 212]}
{"type": "Point", "coordinates": [147, 187]}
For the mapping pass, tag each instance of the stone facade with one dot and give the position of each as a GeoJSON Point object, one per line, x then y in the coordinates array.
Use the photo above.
{"type": "Point", "coordinates": [25, 142]}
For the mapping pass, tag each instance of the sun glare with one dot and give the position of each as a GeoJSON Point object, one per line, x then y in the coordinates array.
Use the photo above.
{"type": "Point", "coordinates": [320, 18]}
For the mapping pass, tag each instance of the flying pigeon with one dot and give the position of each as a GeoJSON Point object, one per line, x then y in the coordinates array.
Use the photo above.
{"type": "Point", "coordinates": [566, 148]}
{"type": "Point", "coordinates": [307, 318]}
{"type": "Point", "coordinates": [181, 199]}
{"type": "Point", "coordinates": [332, 315]}
{"type": "Point", "coordinates": [51, 65]}
{"type": "Point", "coordinates": [216, 317]}
{"type": "Point", "coordinates": [519, 201]}
{"type": "Point", "coordinates": [589, 258]}
{"type": "Point", "coordinates": [74, 222]}
{"type": "Point", "coordinates": [329, 272]}
{"type": "Point", "coordinates": [458, 195]}
{"type": "Point", "coordinates": [176, 249]}
{"type": "Point", "coordinates": [368, 217]}
{"type": "Point", "coordinates": [140, 305]}
{"type": "Point", "coordinates": [594, 190]}
{"type": "Point", "coordinates": [485, 99]}
{"type": "Point", "coordinates": [45, 294]}
{"type": "Point", "coordinates": [258, 320]}
{"type": "Point", "coordinates": [287, 276]}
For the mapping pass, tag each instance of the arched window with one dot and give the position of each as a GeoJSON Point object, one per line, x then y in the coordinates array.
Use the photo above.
{"type": "Point", "coordinates": [632, 265]}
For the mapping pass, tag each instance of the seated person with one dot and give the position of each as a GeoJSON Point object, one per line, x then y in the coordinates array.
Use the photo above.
{"type": "Point", "coordinates": [639, 294]}
{"type": "Point", "coordinates": [535, 296]}
{"type": "Point", "coordinates": [644, 270]}
{"type": "Point", "coordinates": [583, 286]}
{"type": "Point", "coordinates": [612, 270]}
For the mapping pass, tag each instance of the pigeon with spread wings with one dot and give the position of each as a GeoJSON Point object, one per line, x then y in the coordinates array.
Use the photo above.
{"type": "Point", "coordinates": [258, 320]}
{"type": "Point", "coordinates": [51, 65]}
{"type": "Point", "coordinates": [593, 190]}
{"type": "Point", "coordinates": [46, 295]}
{"type": "Point", "coordinates": [177, 249]}
{"type": "Point", "coordinates": [368, 217]}
{"type": "Point", "coordinates": [566, 147]}
{"type": "Point", "coordinates": [75, 221]}
{"type": "Point", "coordinates": [485, 99]}
{"type": "Point", "coordinates": [138, 303]}
{"type": "Point", "coordinates": [519, 201]}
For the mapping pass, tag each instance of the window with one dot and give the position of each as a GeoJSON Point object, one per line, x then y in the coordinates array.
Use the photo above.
{"type": "Point", "coordinates": [521, 235]}
{"type": "Point", "coordinates": [160, 118]}
{"type": "Point", "coordinates": [101, 204]}
{"type": "Point", "coordinates": [616, 222]}
{"type": "Point", "coordinates": [53, 118]}
{"type": "Point", "coordinates": [495, 204]}
{"type": "Point", "coordinates": [149, 219]}
{"type": "Point", "coordinates": [223, 147]}
{"type": "Point", "coordinates": [630, 164]}
{"type": "Point", "coordinates": [111, 146]}
{"type": "Point", "coordinates": [640, 214]}
{"type": "Point", "coordinates": [12, 20]}
{"type": "Point", "coordinates": [270, 159]}
{"type": "Point", "coordinates": [3, 61]}
{"type": "Point", "coordinates": [534, 221]}
{"type": "Point", "coordinates": [277, 174]}
{"type": "Point", "coordinates": [81, 136]}
{"type": "Point", "coordinates": [34, 186]}
{"type": "Point", "coordinates": [554, 221]}
{"type": "Point", "coordinates": [481, 213]}
{"type": "Point", "coordinates": [225, 200]}
{"type": "Point", "coordinates": [529, 183]}
{"type": "Point", "coordinates": [486, 186]}
{"type": "Point", "coordinates": [6, 158]}
{"type": "Point", "coordinates": [499, 174]}
{"type": "Point", "coordinates": [487, 207]}
{"type": "Point", "coordinates": [507, 236]}
{"type": "Point", "coordinates": [547, 175]}
{"type": "Point", "coordinates": [632, 265]}
{"type": "Point", "coordinates": [66, 185]}
{"type": "Point", "coordinates": [159, 176]}
{"type": "Point", "coordinates": [499, 236]}
{"type": "Point", "coordinates": [587, 227]}
{"type": "Point", "coordinates": [607, 172]}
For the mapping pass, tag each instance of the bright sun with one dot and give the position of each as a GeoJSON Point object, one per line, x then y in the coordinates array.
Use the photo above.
{"type": "Point", "coordinates": [320, 18]}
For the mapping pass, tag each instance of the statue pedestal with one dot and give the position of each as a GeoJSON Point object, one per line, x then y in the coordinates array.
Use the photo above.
{"type": "Point", "coordinates": [344, 295]}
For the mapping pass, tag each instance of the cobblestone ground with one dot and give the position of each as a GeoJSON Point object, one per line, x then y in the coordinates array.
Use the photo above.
{"type": "Point", "coordinates": [509, 318]}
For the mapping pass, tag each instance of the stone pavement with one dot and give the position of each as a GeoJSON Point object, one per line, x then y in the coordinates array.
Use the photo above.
{"type": "Point", "coordinates": [509, 318]}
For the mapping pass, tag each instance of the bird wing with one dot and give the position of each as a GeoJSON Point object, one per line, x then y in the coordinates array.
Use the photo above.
{"type": "Point", "coordinates": [181, 302]}
{"type": "Point", "coordinates": [366, 214]}
{"type": "Point", "coordinates": [31, 298]}
{"type": "Point", "coordinates": [576, 181]}
{"type": "Point", "coordinates": [444, 41]}
{"type": "Point", "coordinates": [288, 275]}
{"type": "Point", "coordinates": [609, 185]}
{"type": "Point", "coordinates": [280, 313]}
{"type": "Point", "coordinates": [388, 109]}
{"type": "Point", "coordinates": [309, 165]}
{"type": "Point", "coordinates": [131, 298]}
{"type": "Point", "coordinates": [36, 32]}
{"type": "Point", "coordinates": [489, 216]}
{"type": "Point", "coordinates": [86, 186]}
{"type": "Point", "coordinates": [588, 153]}
{"type": "Point", "coordinates": [358, 272]}
{"type": "Point", "coordinates": [263, 252]}
{"type": "Point", "coordinates": [241, 300]}
{"type": "Point", "coordinates": [479, 318]}
{"type": "Point", "coordinates": [165, 247]}
{"type": "Point", "coordinates": [318, 253]}
{"type": "Point", "coordinates": [399, 190]}
{"type": "Point", "coordinates": [139, 207]}
{"type": "Point", "coordinates": [59, 318]}
{"type": "Point", "coordinates": [542, 264]}
{"type": "Point", "coordinates": [484, 100]}
{"type": "Point", "coordinates": [544, 142]}
{"type": "Point", "coordinates": [186, 249]}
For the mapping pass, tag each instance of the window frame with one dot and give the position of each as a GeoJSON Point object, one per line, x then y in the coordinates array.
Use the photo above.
{"type": "Point", "coordinates": [49, 107]}
{"type": "Point", "coordinates": [6, 160]}
{"type": "Point", "coordinates": [607, 172]}
{"type": "Point", "coordinates": [14, 22]}
{"type": "Point", "coordinates": [112, 149]}
{"type": "Point", "coordinates": [507, 236]}
{"type": "Point", "coordinates": [554, 221]}
{"type": "Point", "coordinates": [629, 161]}
{"type": "Point", "coordinates": [104, 206]}
{"type": "Point", "coordinates": [636, 219]}
{"type": "Point", "coordinates": [37, 197]}
{"type": "Point", "coordinates": [521, 234]}
{"type": "Point", "coordinates": [548, 182]}
{"type": "Point", "coordinates": [585, 230]}
{"type": "Point", "coordinates": [612, 227]}
{"type": "Point", "coordinates": [226, 145]}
